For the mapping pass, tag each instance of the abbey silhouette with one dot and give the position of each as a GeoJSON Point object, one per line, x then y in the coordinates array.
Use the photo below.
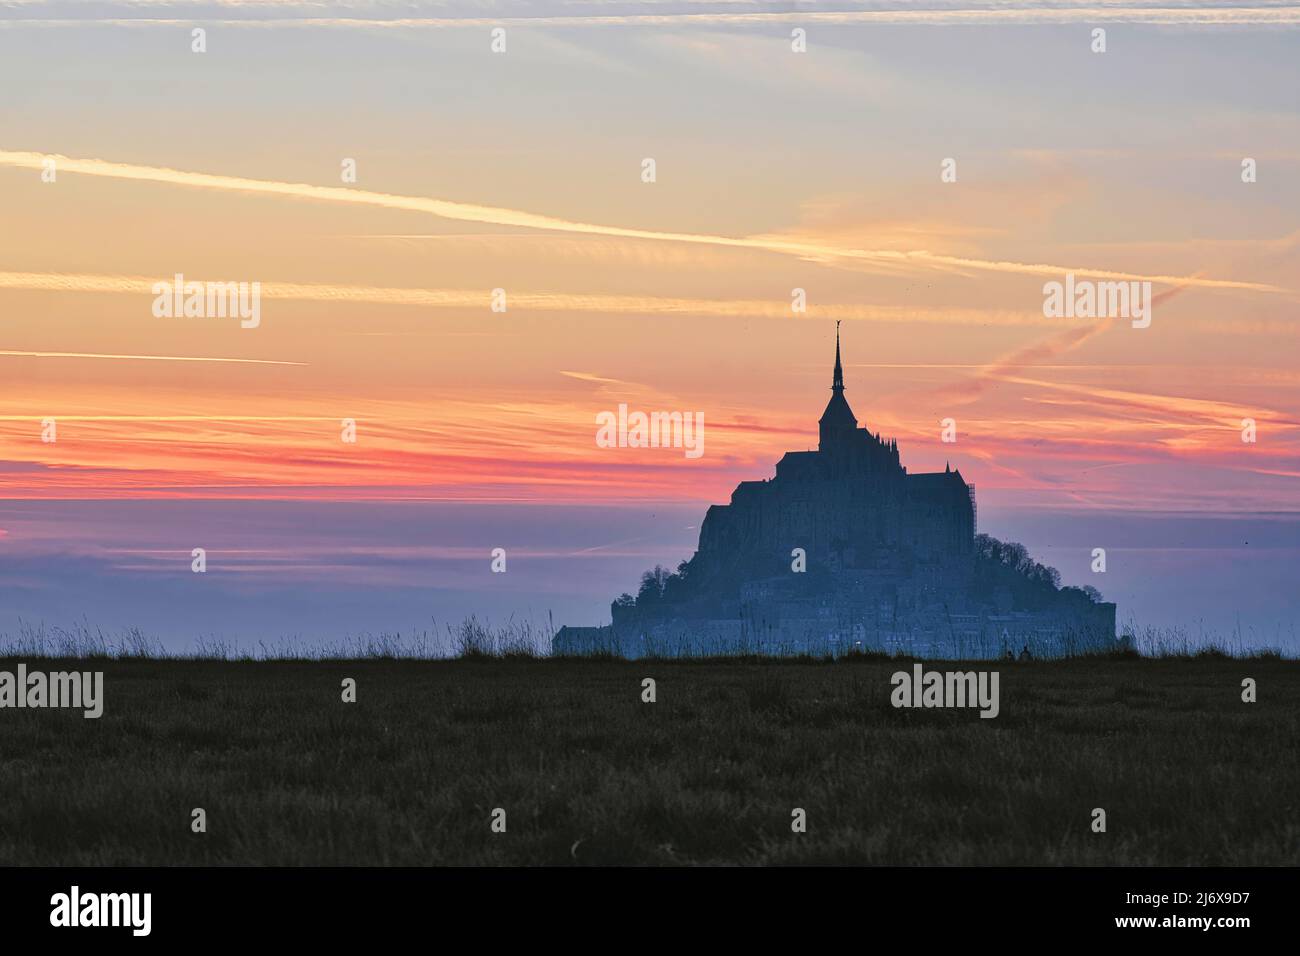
{"type": "Point", "coordinates": [845, 550]}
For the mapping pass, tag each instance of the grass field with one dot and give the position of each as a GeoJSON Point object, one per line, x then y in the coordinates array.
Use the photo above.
{"type": "Point", "coordinates": [709, 773]}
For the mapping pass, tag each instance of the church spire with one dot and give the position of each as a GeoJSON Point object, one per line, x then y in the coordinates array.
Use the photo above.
{"type": "Point", "coordinates": [838, 423]}
{"type": "Point", "coordinates": [838, 382]}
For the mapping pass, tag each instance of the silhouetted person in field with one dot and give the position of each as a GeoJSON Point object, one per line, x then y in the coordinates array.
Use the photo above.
{"type": "Point", "coordinates": [1025, 655]}
{"type": "Point", "coordinates": [1008, 655]}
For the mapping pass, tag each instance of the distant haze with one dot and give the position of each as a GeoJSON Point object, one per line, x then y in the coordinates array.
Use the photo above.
{"type": "Point", "coordinates": [321, 572]}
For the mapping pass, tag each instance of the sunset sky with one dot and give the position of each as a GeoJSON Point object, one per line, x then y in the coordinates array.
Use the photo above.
{"type": "Point", "coordinates": [522, 171]}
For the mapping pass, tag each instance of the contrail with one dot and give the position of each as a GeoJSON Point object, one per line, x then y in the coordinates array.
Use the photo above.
{"type": "Point", "coordinates": [499, 216]}
{"type": "Point", "coordinates": [143, 358]}
{"type": "Point", "coordinates": [603, 304]}
{"type": "Point", "coordinates": [175, 418]}
{"type": "Point", "coordinates": [970, 15]}
{"type": "Point", "coordinates": [1000, 369]}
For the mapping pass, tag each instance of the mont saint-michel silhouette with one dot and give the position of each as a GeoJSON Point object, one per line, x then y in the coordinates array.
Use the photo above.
{"type": "Point", "coordinates": [844, 551]}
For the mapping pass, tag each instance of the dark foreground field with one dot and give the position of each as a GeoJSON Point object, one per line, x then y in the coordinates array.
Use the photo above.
{"type": "Point", "coordinates": [588, 774]}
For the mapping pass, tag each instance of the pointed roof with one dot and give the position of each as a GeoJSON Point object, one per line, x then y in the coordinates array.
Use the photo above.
{"type": "Point", "coordinates": [837, 409]}
{"type": "Point", "coordinates": [838, 380]}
